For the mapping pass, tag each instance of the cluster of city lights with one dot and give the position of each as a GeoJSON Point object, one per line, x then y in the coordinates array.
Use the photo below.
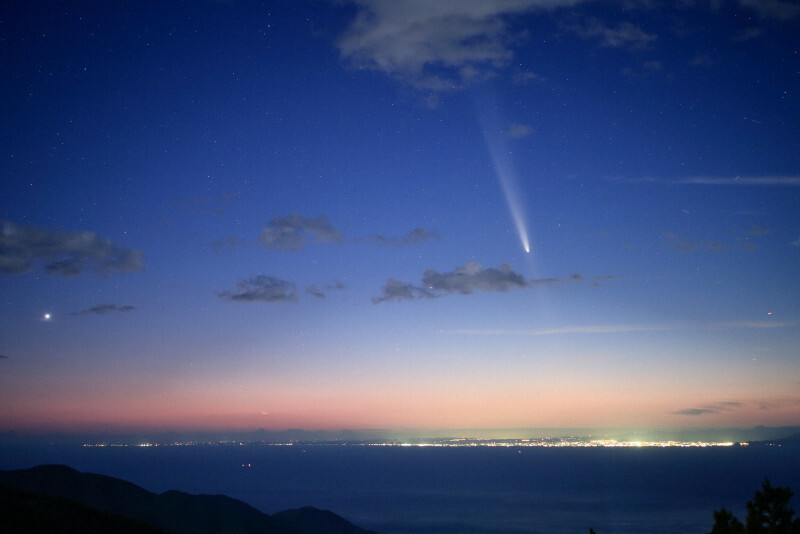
{"type": "Point", "coordinates": [442, 442]}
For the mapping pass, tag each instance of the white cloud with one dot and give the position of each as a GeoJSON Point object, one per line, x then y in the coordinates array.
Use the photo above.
{"type": "Point", "coordinates": [435, 45]}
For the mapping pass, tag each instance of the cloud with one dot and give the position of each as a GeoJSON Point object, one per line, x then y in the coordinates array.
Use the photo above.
{"type": "Point", "coordinates": [435, 45]}
{"type": "Point", "coordinates": [796, 242]}
{"type": "Point", "coordinates": [64, 253]}
{"type": "Point", "coordinates": [291, 232]}
{"type": "Point", "coordinates": [601, 329]}
{"type": "Point", "coordinates": [688, 246]}
{"type": "Point", "coordinates": [748, 33]}
{"type": "Point", "coordinates": [709, 409]}
{"type": "Point", "coordinates": [702, 60]}
{"type": "Point", "coordinates": [626, 328]}
{"type": "Point", "coordinates": [464, 280]}
{"type": "Point", "coordinates": [320, 293]}
{"type": "Point", "coordinates": [101, 309]}
{"type": "Point", "coordinates": [414, 237]}
{"type": "Point", "coordinates": [787, 181]}
{"type": "Point", "coordinates": [227, 243]}
{"type": "Point", "coordinates": [757, 230]}
{"type": "Point", "coordinates": [262, 288]}
{"type": "Point", "coordinates": [773, 9]}
{"type": "Point", "coordinates": [214, 205]}
{"type": "Point", "coordinates": [694, 411]}
{"type": "Point", "coordinates": [314, 291]}
{"type": "Point", "coordinates": [3, 357]}
{"type": "Point", "coordinates": [518, 131]}
{"type": "Point", "coordinates": [472, 276]}
{"type": "Point", "coordinates": [590, 329]}
{"type": "Point", "coordinates": [397, 290]}
{"type": "Point", "coordinates": [624, 34]}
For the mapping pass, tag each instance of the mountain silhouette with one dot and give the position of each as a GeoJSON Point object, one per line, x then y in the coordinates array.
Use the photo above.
{"type": "Point", "coordinates": [59, 495]}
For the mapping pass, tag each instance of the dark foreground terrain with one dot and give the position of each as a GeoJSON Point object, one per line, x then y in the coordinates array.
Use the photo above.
{"type": "Point", "coordinates": [58, 499]}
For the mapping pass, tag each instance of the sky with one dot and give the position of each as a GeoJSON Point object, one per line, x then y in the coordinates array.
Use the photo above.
{"type": "Point", "coordinates": [381, 214]}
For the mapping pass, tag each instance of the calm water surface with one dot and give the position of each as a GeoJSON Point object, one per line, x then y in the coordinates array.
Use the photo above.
{"type": "Point", "coordinates": [399, 490]}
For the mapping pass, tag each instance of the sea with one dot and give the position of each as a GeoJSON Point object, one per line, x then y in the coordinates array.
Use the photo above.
{"type": "Point", "coordinates": [456, 490]}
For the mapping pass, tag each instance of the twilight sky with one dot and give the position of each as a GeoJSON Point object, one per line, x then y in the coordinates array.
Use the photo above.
{"type": "Point", "coordinates": [313, 214]}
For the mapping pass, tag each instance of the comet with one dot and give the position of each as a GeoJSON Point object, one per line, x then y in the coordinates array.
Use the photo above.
{"type": "Point", "coordinates": [506, 175]}
{"type": "Point", "coordinates": [508, 182]}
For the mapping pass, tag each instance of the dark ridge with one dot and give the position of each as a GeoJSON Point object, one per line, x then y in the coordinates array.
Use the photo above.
{"type": "Point", "coordinates": [23, 512]}
{"type": "Point", "coordinates": [792, 441]}
{"type": "Point", "coordinates": [171, 511]}
{"type": "Point", "coordinates": [316, 521]}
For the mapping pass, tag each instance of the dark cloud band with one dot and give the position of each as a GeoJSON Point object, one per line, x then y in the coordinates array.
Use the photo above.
{"type": "Point", "coordinates": [63, 253]}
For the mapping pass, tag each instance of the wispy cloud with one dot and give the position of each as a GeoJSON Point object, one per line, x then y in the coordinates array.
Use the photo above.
{"type": "Point", "coordinates": [624, 34]}
{"type": "Point", "coordinates": [518, 131]}
{"type": "Point", "coordinates": [628, 328]}
{"type": "Point", "coordinates": [706, 409]}
{"type": "Point", "coordinates": [291, 232]}
{"type": "Point", "coordinates": [313, 290]}
{"type": "Point", "coordinates": [101, 309]}
{"type": "Point", "coordinates": [786, 181]}
{"type": "Point", "coordinates": [63, 253]}
{"type": "Point", "coordinates": [756, 324]}
{"type": "Point", "coordinates": [214, 205]}
{"type": "Point", "coordinates": [589, 329]}
{"type": "Point", "coordinates": [228, 243]}
{"type": "Point", "coordinates": [262, 288]}
{"type": "Point", "coordinates": [600, 329]}
{"type": "Point", "coordinates": [773, 9]}
{"type": "Point", "coordinates": [435, 45]}
{"type": "Point", "coordinates": [414, 237]}
{"type": "Point", "coordinates": [685, 245]}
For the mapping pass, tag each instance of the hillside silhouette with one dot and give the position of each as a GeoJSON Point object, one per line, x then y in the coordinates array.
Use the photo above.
{"type": "Point", "coordinates": [59, 499]}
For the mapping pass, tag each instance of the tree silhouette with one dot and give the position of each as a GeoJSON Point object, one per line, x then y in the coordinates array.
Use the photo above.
{"type": "Point", "coordinates": [726, 523]}
{"type": "Point", "coordinates": [767, 513]}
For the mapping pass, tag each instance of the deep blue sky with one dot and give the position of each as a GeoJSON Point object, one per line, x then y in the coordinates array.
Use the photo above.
{"type": "Point", "coordinates": [314, 214]}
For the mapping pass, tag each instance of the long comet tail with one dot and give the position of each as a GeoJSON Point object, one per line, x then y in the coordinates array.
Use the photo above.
{"type": "Point", "coordinates": [503, 167]}
{"type": "Point", "coordinates": [506, 177]}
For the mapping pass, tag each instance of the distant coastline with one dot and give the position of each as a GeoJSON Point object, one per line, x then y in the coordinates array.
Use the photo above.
{"type": "Point", "coordinates": [757, 436]}
{"type": "Point", "coordinates": [583, 441]}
